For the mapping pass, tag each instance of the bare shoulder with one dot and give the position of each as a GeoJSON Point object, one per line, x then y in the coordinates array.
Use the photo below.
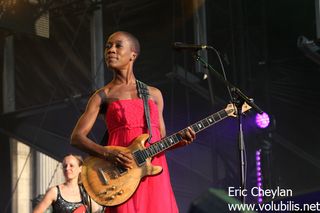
{"type": "Point", "coordinates": [99, 95]}
{"type": "Point", "coordinates": [155, 94]}
{"type": "Point", "coordinates": [106, 89]}
{"type": "Point", "coordinates": [52, 193]}
{"type": "Point", "coordinates": [48, 199]}
{"type": "Point", "coordinates": [52, 189]}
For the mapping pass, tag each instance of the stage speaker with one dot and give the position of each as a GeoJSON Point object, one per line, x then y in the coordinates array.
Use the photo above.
{"type": "Point", "coordinates": [213, 200]}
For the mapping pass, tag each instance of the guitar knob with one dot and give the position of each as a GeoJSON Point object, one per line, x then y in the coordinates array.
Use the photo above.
{"type": "Point", "coordinates": [113, 187]}
{"type": "Point", "coordinates": [110, 198]}
{"type": "Point", "coordinates": [102, 193]}
{"type": "Point", "coordinates": [120, 192]}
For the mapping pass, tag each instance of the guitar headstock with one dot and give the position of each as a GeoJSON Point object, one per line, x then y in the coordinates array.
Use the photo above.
{"type": "Point", "coordinates": [231, 109]}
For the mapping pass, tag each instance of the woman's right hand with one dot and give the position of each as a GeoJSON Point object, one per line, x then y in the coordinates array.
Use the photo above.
{"type": "Point", "coordinates": [119, 157]}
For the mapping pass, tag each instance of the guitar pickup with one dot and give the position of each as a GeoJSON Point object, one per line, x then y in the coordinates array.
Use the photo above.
{"type": "Point", "coordinates": [122, 170]}
{"type": "Point", "coordinates": [102, 176]}
{"type": "Point", "coordinates": [139, 158]}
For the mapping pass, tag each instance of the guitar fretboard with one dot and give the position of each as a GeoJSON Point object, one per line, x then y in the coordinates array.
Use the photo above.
{"type": "Point", "coordinates": [173, 139]}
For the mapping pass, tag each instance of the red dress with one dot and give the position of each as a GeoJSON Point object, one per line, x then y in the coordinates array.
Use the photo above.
{"type": "Point", "coordinates": [125, 120]}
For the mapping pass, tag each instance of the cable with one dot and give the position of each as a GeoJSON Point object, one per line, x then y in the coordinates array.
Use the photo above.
{"type": "Point", "coordinates": [28, 156]}
{"type": "Point", "coordinates": [243, 144]}
{"type": "Point", "coordinates": [222, 68]}
{"type": "Point", "coordinates": [18, 179]}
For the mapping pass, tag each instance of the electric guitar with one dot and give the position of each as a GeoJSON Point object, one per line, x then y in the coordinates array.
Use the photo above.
{"type": "Point", "coordinates": [111, 185]}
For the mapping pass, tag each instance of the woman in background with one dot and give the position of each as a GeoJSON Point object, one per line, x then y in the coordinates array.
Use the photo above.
{"type": "Point", "coordinates": [69, 196]}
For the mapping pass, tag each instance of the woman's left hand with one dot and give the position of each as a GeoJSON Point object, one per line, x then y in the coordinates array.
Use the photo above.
{"type": "Point", "coordinates": [188, 135]}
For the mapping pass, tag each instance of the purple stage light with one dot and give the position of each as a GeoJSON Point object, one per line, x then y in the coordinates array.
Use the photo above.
{"type": "Point", "coordinates": [259, 174]}
{"type": "Point", "coordinates": [262, 120]}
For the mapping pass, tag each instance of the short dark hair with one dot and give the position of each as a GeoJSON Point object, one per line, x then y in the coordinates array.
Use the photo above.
{"type": "Point", "coordinates": [134, 41]}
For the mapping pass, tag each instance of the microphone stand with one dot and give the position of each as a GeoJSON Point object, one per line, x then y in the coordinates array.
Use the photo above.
{"type": "Point", "coordinates": [238, 99]}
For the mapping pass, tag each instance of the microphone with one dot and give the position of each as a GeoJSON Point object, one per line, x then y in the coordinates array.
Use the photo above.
{"type": "Point", "coordinates": [195, 47]}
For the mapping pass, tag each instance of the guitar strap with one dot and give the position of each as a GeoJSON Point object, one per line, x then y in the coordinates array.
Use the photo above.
{"type": "Point", "coordinates": [103, 105]}
{"type": "Point", "coordinates": [143, 93]}
{"type": "Point", "coordinates": [103, 110]}
{"type": "Point", "coordinates": [85, 199]}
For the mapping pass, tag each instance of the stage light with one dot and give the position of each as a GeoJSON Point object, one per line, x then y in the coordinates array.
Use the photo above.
{"type": "Point", "coordinates": [262, 120]}
{"type": "Point", "coordinates": [259, 174]}
{"type": "Point", "coordinates": [27, 16]}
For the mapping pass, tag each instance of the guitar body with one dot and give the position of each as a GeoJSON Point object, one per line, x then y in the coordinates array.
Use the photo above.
{"type": "Point", "coordinates": [110, 185]}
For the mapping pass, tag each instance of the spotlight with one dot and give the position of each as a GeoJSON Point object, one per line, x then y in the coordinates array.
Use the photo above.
{"type": "Point", "coordinates": [262, 120]}
{"type": "Point", "coordinates": [259, 174]}
{"type": "Point", "coordinates": [27, 16]}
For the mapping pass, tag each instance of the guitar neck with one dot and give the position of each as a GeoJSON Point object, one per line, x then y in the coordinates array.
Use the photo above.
{"type": "Point", "coordinates": [175, 138]}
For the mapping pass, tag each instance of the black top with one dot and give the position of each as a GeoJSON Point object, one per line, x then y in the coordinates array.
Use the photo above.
{"type": "Point", "coordinates": [63, 206]}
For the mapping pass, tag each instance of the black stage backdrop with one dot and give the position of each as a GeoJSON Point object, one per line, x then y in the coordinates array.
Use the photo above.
{"type": "Point", "coordinates": [258, 43]}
